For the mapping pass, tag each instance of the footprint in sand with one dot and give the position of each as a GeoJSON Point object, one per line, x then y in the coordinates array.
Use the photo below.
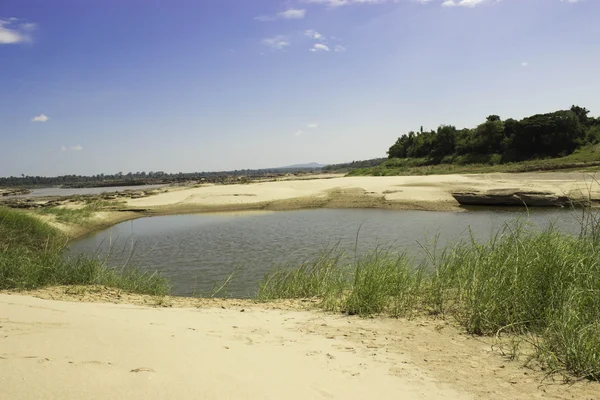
{"type": "Point", "coordinates": [142, 369]}
{"type": "Point", "coordinates": [95, 362]}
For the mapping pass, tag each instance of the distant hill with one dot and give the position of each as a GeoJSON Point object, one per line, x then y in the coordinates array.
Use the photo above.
{"type": "Point", "coordinates": [308, 165]}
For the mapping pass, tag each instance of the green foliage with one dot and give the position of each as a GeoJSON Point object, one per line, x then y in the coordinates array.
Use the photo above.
{"type": "Point", "coordinates": [539, 136]}
{"type": "Point", "coordinates": [382, 282]}
{"type": "Point", "coordinates": [353, 165]}
{"type": "Point", "coordinates": [31, 256]}
{"type": "Point", "coordinates": [323, 277]}
{"type": "Point", "coordinates": [540, 283]}
{"type": "Point", "coordinates": [587, 157]}
{"type": "Point", "coordinates": [593, 134]}
{"type": "Point", "coordinates": [78, 215]}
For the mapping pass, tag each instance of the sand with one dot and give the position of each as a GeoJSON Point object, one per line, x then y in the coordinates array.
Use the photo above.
{"type": "Point", "coordinates": [407, 192]}
{"type": "Point", "coordinates": [65, 349]}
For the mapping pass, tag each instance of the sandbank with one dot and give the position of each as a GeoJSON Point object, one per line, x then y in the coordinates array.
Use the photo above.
{"type": "Point", "coordinates": [431, 192]}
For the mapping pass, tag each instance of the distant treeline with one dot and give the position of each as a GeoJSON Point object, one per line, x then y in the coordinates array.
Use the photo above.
{"type": "Point", "coordinates": [142, 178]}
{"type": "Point", "coordinates": [354, 165]}
{"type": "Point", "coordinates": [539, 136]}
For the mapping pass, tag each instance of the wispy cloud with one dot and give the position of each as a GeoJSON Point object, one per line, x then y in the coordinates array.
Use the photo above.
{"type": "Point", "coordinates": [338, 3]}
{"type": "Point", "coordinates": [322, 44]}
{"type": "Point", "coordinates": [313, 34]}
{"type": "Point", "coordinates": [463, 3]}
{"type": "Point", "coordinates": [276, 42]}
{"type": "Point", "coordinates": [292, 13]}
{"type": "Point", "coordinates": [313, 125]}
{"type": "Point", "coordinates": [13, 31]}
{"type": "Point", "coordinates": [71, 148]}
{"type": "Point", "coordinates": [40, 118]}
{"type": "Point", "coordinates": [299, 133]}
{"type": "Point", "coordinates": [444, 3]}
{"type": "Point", "coordinates": [320, 47]}
{"type": "Point", "coordinates": [524, 64]}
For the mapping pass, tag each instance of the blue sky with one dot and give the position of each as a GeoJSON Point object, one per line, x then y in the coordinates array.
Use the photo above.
{"type": "Point", "coordinates": [101, 86]}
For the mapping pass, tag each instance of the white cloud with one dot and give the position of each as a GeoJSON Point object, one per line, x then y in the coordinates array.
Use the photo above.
{"type": "Point", "coordinates": [318, 47]}
{"type": "Point", "coordinates": [276, 43]}
{"type": "Point", "coordinates": [292, 13]}
{"type": "Point", "coordinates": [463, 3]}
{"type": "Point", "coordinates": [313, 125]}
{"type": "Point", "coordinates": [322, 42]}
{"type": "Point", "coordinates": [313, 34]}
{"type": "Point", "coordinates": [40, 118]}
{"type": "Point", "coordinates": [338, 3]}
{"type": "Point", "coordinates": [13, 32]}
{"type": "Point", "coordinates": [298, 133]}
{"type": "Point", "coordinates": [524, 64]}
{"type": "Point", "coordinates": [445, 3]}
{"type": "Point", "coordinates": [571, 1]}
{"type": "Point", "coordinates": [29, 26]}
{"type": "Point", "coordinates": [71, 148]}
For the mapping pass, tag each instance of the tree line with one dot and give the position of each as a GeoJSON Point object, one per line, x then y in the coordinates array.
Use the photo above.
{"type": "Point", "coordinates": [142, 178]}
{"type": "Point", "coordinates": [539, 136]}
{"type": "Point", "coordinates": [354, 165]}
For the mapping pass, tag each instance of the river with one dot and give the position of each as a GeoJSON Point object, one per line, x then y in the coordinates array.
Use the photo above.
{"type": "Point", "coordinates": [56, 191]}
{"type": "Point", "coordinates": [197, 252]}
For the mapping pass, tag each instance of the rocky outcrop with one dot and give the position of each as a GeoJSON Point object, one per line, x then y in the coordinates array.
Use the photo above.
{"type": "Point", "coordinates": [517, 197]}
{"type": "Point", "coordinates": [53, 201]}
{"type": "Point", "coordinates": [13, 191]}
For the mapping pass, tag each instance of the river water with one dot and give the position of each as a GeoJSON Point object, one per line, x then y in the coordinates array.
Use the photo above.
{"type": "Point", "coordinates": [55, 191]}
{"type": "Point", "coordinates": [197, 252]}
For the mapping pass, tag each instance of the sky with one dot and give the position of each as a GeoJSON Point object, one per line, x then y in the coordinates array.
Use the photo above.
{"type": "Point", "coordinates": [102, 86]}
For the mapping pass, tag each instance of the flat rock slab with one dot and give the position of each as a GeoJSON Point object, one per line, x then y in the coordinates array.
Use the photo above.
{"type": "Point", "coordinates": [516, 197]}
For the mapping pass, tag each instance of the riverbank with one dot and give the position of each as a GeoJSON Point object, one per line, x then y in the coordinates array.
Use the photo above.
{"type": "Point", "coordinates": [242, 349]}
{"type": "Point", "coordinates": [424, 193]}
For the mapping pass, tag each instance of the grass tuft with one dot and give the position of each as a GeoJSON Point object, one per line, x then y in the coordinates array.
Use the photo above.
{"type": "Point", "coordinates": [542, 284]}
{"type": "Point", "coordinates": [78, 215]}
{"type": "Point", "coordinates": [31, 256]}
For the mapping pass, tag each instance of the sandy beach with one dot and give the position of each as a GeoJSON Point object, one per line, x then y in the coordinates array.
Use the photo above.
{"type": "Point", "coordinates": [431, 192]}
{"type": "Point", "coordinates": [67, 349]}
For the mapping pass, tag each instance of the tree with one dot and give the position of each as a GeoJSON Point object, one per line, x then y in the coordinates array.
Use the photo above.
{"type": "Point", "coordinates": [487, 138]}
{"type": "Point", "coordinates": [444, 143]}
{"type": "Point", "coordinates": [552, 134]}
{"type": "Point", "coordinates": [582, 114]}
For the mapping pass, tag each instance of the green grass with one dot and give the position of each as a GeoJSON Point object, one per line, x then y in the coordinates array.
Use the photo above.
{"type": "Point", "coordinates": [32, 256]}
{"type": "Point", "coordinates": [79, 216]}
{"type": "Point", "coordinates": [543, 285]}
{"type": "Point", "coordinates": [322, 277]}
{"type": "Point", "coordinates": [587, 158]}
